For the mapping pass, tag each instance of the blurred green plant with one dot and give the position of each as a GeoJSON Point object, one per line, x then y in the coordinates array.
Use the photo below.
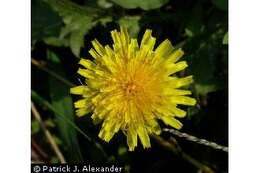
{"type": "Point", "coordinates": [62, 102]}
{"type": "Point", "coordinates": [45, 22]}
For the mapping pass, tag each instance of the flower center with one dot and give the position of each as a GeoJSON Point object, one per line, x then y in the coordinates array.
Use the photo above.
{"type": "Point", "coordinates": [130, 89]}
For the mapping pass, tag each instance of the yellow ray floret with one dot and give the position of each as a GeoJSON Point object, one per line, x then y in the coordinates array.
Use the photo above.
{"type": "Point", "coordinates": [130, 86]}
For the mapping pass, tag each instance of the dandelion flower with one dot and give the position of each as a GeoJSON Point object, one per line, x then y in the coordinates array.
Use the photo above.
{"type": "Point", "coordinates": [130, 87]}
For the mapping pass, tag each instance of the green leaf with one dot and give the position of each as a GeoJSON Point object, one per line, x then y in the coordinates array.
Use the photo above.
{"type": "Point", "coordinates": [204, 64]}
{"type": "Point", "coordinates": [67, 8]}
{"type": "Point", "coordinates": [188, 32]}
{"type": "Point", "coordinates": [204, 89]}
{"type": "Point", "coordinates": [143, 4]}
{"type": "Point", "coordinates": [105, 20]}
{"type": "Point", "coordinates": [203, 69]}
{"type": "Point", "coordinates": [35, 126]}
{"type": "Point", "coordinates": [45, 22]}
{"type": "Point", "coordinates": [82, 26]}
{"type": "Point", "coordinates": [221, 4]}
{"type": "Point", "coordinates": [78, 21]}
{"type": "Point", "coordinates": [76, 42]}
{"type": "Point", "coordinates": [225, 39]}
{"type": "Point", "coordinates": [55, 41]}
{"type": "Point", "coordinates": [104, 4]}
{"type": "Point", "coordinates": [131, 23]}
{"type": "Point", "coordinates": [62, 102]}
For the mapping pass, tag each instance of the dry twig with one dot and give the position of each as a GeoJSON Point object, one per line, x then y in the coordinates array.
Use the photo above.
{"type": "Point", "coordinates": [47, 133]}
{"type": "Point", "coordinates": [52, 73]}
{"type": "Point", "coordinates": [196, 139]}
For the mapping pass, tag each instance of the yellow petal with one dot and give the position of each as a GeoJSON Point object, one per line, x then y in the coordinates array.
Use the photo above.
{"type": "Point", "coordinates": [179, 82]}
{"type": "Point", "coordinates": [142, 54]}
{"type": "Point", "coordinates": [181, 92]}
{"type": "Point", "coordinates": [178, 112]}
{"type": "Point", "coordinates": [83, 111]}
{"type": "Point", "coordinates": [94, 54]}
{"type": "Point", "coordinates": [109, 128]}
{"type": "Point", "coordinates": [124, 36]}
{"type": "Point", "coordinates": [183, 100]}
{"type": "Point", "coordinates": [143, 135]}
{"type": "Point", "coordinates": [100, 112]}
{"type": "Point", "coordinates": [109, 51]}
{"type": "Point", "coordinates": [86, 73]}
{"type": "Point", "coordinates": [164, 49]}
{"type": "Point", "coordinates": [132, 48]}
{"type": "Point", "coordinates": [87, 63]}
{"type": "Point", "coordinates": [175, 56]}
{"type": "Point", "coordinates": [108, 124]}
{"type": "Point", "coordinates": [172, 122]}
{"type": "Point", "coordinates": [105, 135]}
{"type": "Point", "coordinates": [131, 138]}
{"type": "Point", "coordinates": [95, 100]}
{"type": "Point", "coordinates": [148, 40]}
{"type": "Point", "coordinates": [110, 65]}
{"type": "Point", "coordinates": [94, 84]}
{"type": "Point", "coordinates": [98, 47]}
{"type": "Point", "coordinates": [173, 68]}
{"type": "Point", "coordinates": [79, 90]}
{"type": "Point", "coordinates": [153, 127]}
{"type": "Point", "coordinates": [83, 103]}
{"type": "Point", "coordinates": [115, 37]}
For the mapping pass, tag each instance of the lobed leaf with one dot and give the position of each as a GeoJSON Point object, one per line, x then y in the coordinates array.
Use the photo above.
{"type": "Point", "coordinates": [143, 4]}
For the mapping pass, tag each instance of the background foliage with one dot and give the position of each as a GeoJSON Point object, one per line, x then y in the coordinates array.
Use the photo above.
{"type": "Point", "coordinates": [61, 34]}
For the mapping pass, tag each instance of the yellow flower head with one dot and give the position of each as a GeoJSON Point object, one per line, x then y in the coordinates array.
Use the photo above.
{"type": "Point", "coordinates": [130, 86]}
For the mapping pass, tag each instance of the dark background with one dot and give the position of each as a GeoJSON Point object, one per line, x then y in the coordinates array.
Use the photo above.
{"type": "Point", "coordinates": [61, 33]}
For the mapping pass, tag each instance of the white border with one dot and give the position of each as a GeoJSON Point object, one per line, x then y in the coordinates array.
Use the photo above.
{"type": "Point", "coordinates": [244, 86]}
{"type": "Point", "coordinates": [15, 86]}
